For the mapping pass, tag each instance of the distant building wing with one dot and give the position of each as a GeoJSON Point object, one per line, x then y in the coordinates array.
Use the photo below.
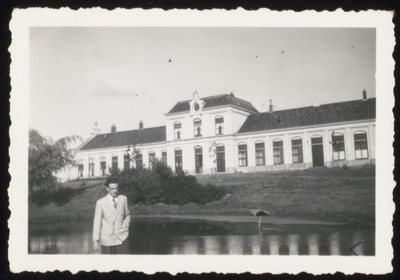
{"type": "Point", "coordinates": [307, 116]}
{"type": "Point", "coordinates": [125, 138]}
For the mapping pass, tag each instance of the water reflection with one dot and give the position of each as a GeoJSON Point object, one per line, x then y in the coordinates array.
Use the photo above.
{"type": "Point", "coordinates": [293, 241]}
{"type": "Point", "coordinates": [273, 242]}
{"type": "Point", "coordinates": [313, 244]}
{"type": "Point", "coordinates": [174, 236]}
{"type": "Point", "coordinates": [334, 244]}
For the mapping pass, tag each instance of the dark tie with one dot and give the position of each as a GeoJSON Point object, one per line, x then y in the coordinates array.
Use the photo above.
{"type": "Point", "coordinates": [115, 203]}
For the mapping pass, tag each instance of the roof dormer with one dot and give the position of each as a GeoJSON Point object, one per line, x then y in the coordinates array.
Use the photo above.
{"type": "Point", "coordinates": [196, 104]}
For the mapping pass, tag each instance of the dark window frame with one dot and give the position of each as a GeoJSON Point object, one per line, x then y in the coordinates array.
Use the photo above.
{"type": "Point", "coordinates": [197, 125]}
{"type": "Point", "coordinates": [164, 156]}
{"type": "Point", "coordinates": [242, 155]}
{"type": "Point", "coordinates": [198, 150]}
{"type": "Point", "coordinates": [81, 168]}
{"type": "Point", "coordinates": [139, 160]}
{"type": "Point", "coordinates": [260, 153]}
{"type": "Point", "coordinates": [178, 160]}
{"type": "Point", "coordinates": [103, 166]}
{"type": "Point", "coordinates": [152, 157]}
{"type": "Point", "coordinates": [297, 150]}
{"type": "Point", "coordinates": [338, 147]}
{"type": "Point", "coordinates": [219, 126]}
{"type": "Point", "coordinates": [177, 130]}
{"type": "Point", "coordinates": [361, 145]}
{"type": "Point", "coordinates": [277, 147]}
{"type": "Point", "coordinates": [91, 167]}
{"type": "Point", "coordinates": [127, 160]}
{"type": "Point", "coordinates": [114, 161]}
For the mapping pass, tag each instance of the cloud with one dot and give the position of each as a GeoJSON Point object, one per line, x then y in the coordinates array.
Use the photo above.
{"type": "Point", "coordinates": [117, 81]}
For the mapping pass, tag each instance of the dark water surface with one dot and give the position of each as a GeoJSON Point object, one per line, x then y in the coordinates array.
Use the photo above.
{"type": "Point", "coordinates": [195, 236]}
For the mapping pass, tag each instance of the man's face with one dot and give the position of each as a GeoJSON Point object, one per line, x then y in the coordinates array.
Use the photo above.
{"type": "Point", "coordinates": [113, 189]}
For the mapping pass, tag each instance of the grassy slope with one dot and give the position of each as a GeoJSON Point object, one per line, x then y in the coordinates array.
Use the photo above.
{"type": "Point", "coordinates": [336, 194]}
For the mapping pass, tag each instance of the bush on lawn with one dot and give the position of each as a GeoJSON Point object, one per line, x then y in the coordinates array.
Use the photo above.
{"type": "Point", "coordinates": [159, 184]}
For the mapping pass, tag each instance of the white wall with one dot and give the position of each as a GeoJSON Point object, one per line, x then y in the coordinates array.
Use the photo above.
{"type": "Point", "coordinates": [231, 147]}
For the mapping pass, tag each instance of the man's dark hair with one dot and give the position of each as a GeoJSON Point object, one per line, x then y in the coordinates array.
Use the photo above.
{"type": "Point", "coordinates": [111, 180]}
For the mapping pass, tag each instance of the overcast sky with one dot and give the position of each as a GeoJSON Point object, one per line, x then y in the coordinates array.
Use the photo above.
{"type": "Point", "coordinates": [123, 75]}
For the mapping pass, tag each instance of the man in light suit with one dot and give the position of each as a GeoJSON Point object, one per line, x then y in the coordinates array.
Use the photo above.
{"type": "Point", "coordinates": [111, 221]}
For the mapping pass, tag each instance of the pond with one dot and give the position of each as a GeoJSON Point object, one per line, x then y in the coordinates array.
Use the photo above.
{"type": "Point", "coordinates": [152, 235]}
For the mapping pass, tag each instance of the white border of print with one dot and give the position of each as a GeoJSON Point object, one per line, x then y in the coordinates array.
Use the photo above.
{"type": "Point", "coordinates": [18, 256]}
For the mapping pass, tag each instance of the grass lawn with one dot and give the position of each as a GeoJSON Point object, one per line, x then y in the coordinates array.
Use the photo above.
{"type": "Point", "coordinates": [345, 195]}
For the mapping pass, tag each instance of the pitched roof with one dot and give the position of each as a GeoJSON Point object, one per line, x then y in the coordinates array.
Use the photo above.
{"type": "Point", "coordinates": [324, 114]}
{"type": "Point", "coordinates": [215, 101]}
{"type": "Point", "coordinates": [125, 138]}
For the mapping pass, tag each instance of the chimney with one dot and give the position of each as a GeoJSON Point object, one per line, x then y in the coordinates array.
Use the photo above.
{"type": "Point", "coordinates": [364, 95]}
{"type": "Point", "coordinates": [140, 125]}
{"type": "Point", "coordinates": [113, 128]}
{"type": "Point", "coordinates": [316, 102]}
{"type": "Point", "coordinates": [271, 107]}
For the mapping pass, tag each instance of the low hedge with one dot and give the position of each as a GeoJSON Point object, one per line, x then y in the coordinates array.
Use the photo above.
{"type": "Point", "coordinates": [159, 184]}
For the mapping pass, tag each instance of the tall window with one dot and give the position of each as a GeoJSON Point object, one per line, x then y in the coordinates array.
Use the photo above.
{"type": "Point", "coordinates": [177, 130]}
{"type": "Point", "coordinates": [297, 150]}
{"type": "Point", "coordinates": [198, 155]}
{"type": "Point", "coordinates": [338, 147]}
{"type": "Point", "coordinates": [127, 160]}
{"type": "Point", "coordinates": [219, 125]}
{"type": "Point", "coordinates": [178, 160]}
{"type": "Point", "coordinates": [114, 163]}
{"type": "Point", "coordinates": [91, 167]}
{"type": "Point", "coordinates": [278, 151]}
{"type": "Point", "coordinates": [80, 167]}
{"type": "Point", "coordinates": [243, 155]}
{"type": "Point", "coordinates": [260, 153]}
{"type": "Point", "coordinates": [103, 166]}
{"type": "Point", "coordinates": [152, 157]}
{"type": "Point", "coordinates": [361, 145]}
{"type": "Point", "coordinates": [164, 156]}
{"type": "Point", "coordinates": [139, 160]}
{"type": "Point", "coordinates": [197, 128]}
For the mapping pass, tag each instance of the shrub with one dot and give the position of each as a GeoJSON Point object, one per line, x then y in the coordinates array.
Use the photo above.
{"type": "Point", "coordinates": [159, 184]}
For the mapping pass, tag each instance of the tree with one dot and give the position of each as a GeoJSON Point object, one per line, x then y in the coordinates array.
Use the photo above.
{"type": "Point", "coordinates": [336, 146]}
{"type": "Point", "coordinates": [213, 154]}
{"type": "Point", "coordinates": [47, 158]}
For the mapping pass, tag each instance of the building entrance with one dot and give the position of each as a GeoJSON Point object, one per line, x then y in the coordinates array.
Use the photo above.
{"type": "Point", "coordinates": [317, 151]}
{"type": "Point", "coordinates": [220, 159]}
{"type": "Point", "coordinates": [198, 159]}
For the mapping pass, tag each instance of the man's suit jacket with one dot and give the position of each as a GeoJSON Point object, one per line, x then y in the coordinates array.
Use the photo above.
{"type": "Point", "coordinates": [108, 221]}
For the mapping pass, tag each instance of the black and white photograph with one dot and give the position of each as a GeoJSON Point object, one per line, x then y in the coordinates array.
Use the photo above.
{"type": "Point", "coordinates": [224, 141]}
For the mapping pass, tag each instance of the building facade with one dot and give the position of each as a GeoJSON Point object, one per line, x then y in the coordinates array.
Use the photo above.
{"type": "Point", "coordinates": [225, 134]}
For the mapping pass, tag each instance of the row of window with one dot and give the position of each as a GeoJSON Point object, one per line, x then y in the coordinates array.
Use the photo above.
{"type": "Point", "coordinates": [338, 145]}
{"type": "Point", "coordinates": [360, 146]}
{"type": "Point", "coordinates": [197, 126]}
{"type": "Point", "coordinates": [114, 163]}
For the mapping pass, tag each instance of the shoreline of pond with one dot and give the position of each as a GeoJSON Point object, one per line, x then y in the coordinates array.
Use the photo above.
{"type": "Point", "coordinates": [214, 218]}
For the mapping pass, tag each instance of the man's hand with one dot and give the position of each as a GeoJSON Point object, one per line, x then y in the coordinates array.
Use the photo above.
{"type": "Point", "coordinates": [125, 225]}
{"type": "Point", "coordinates": [96, 246]}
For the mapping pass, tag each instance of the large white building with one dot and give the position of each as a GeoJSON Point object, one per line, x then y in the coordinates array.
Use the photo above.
{"type": "Point", "coordinates": [227, 134]}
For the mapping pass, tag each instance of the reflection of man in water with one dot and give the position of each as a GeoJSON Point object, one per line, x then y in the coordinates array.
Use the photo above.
{"type": "Point", "coordinates": [111, 221]}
